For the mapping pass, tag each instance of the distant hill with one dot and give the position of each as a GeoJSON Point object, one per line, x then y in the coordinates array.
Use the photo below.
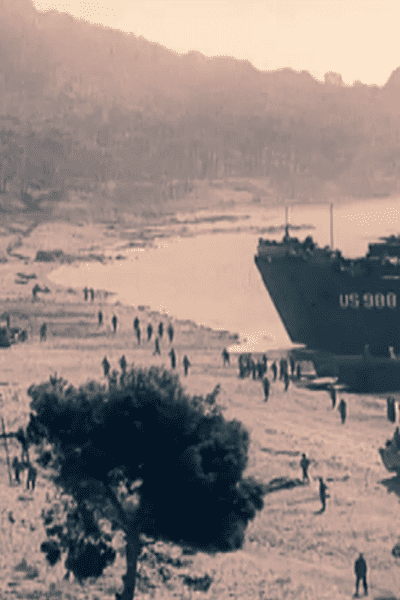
{"type": "Point", "coordinates": [81, 100]}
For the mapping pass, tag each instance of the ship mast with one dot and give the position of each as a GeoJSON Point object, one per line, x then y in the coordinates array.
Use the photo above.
{"type": "Point", "coordinates": [331, 226]}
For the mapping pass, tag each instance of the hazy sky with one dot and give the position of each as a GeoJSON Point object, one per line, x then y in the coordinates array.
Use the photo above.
{"type": "Point", "coordinates": [357, 38]}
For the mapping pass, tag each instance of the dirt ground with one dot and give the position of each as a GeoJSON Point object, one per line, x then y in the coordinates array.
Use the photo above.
{"type": "Point", "coordinates": [291, 550]}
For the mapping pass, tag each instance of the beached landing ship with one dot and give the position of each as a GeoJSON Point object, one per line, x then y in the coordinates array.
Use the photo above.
{"type": "Point", "coordinates": [347, 312]}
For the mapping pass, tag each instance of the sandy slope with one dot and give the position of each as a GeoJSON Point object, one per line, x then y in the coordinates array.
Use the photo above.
{"type": "Point", "coordinates": [290, 550]}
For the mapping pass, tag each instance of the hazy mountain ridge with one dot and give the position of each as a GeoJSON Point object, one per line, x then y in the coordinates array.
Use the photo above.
{"type": "Point", "coordinates": [99, 103]}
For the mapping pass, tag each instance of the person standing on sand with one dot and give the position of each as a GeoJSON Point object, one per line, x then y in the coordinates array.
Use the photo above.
{"type": "Point", "coordinates": [253, 368]}
{"type": "Point", "coordinates": [342, 410]}
{"type": "Point", "coordinates": [43, 332]}
{"type": "Point", "coordinates": [85, 293]}
{"type": "Point", "coordinates": [170, 332]}
{"type": "Point", "coordinates": [17, 468]}
{"type": "Point", "coordinates": [332, 393]}
{"type": "Point", "coordinates": [31, 478]}
{"type": "Point", "coordinates": [149, 331]}
{"type": "Point", "coordinates": [91, 294]}
{"type": "Point", "coordinates": [287, 380]}
{"type": "Point", "coordinates": [360, 570]}
{"type": "Point", "coordinates": [274, 370]}
{"type": "Point", "coordinates": [265, 363]}
{"type": "Point", "coordinates": [123, 364]}
{"type": "Point", "coordinates": [138, 334]}
{"type": "Point", "coordinates": [322, 493]}
{"type": "Point", "coordinates": [186, 364]}
{"type": "Point", "coordinates": [266, 386]}
{"type": "Point", "coordinates": [298, 372]}
{"type": "Point", "coordinates": [172, 354]}
{"type": "Point", "coordinates": [100, 318]}
{"type": "Point", "coordinates": [157, 347]}
{"type": "Point", "coordinates": [161, 329]}
{"type": "Point", "coordinates": [114, 322]}
{"type": "Point", "coordinates": [304, 464]}
{"type": "Point", "coordinates": [106, 366]}
{"type": "Point", "coordinates": [225, 357]}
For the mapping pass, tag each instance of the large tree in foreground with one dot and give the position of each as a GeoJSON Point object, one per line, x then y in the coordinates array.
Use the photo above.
{"type": "Point", "coordinates": [145, 457]}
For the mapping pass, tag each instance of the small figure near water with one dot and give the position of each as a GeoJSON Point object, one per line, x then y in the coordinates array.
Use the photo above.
{"type": "Point", "coordinates": [100, 318]}
{"type": "Point", "coordinates": [106, 366]}
{"type": "Point", "coordinates": [266, 386]}
{"type": "Point", "coordinates": [43, 332]}
{"type": "Point", "coordinates": [286, 379]}
{"type": "Point", "coordinates": [136, 323]}
{"type": "Point", "coordinates": [114, 322]}
{"type": "Point", "coordinates": [91, 291]}
{"type": "Point", "coordinates": [343, 410]}
{"type": "Point", "coordinates": [170, 332]}
{"type": "Point", "coordinates": [161, 329]}
{"type": "Point", "coordinates": [304, 464]}
{"type": "Point", "coordinates": [149, 331]}
{"type": "Point", "coordinates": [123, 364]}
{"type": "Point", "coordinates": [85, 293]}
{"type": "Point", "coordinates": [138, 334]}
{"type": "Point", "coordinates": [274, 370]}
{"type": "Point", "coordinates": [332, 393]}
{"type": "Point", "coordinates": [157, 347]}
{"type": "Point", "coordinates": [360, 570]}
{"type": "Point", "coordinates": [186, 364]}
{"type": "Point", "coordinates": [322, 493]}
{"type": "Point", "coordinates": [225, 357]}
{"type": "Point", "coordinates": [172, 354]}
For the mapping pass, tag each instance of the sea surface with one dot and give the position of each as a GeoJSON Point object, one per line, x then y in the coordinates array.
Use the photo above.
{"type": "Point", "coordinates": [211, 278]}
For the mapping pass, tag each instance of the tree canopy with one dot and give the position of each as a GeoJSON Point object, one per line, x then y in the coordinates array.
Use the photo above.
{"type": "Point", "coordinates": [146, 456]}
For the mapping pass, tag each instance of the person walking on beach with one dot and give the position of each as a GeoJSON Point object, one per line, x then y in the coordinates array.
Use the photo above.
{"type": "Point", "coordinates": [114, 322]}
{"type": "Point", "coordinates": [43, 332]}
{"type": "Point", "coordinates": [149, 331]}
{"type": "Point", "coordinates": [332, 393]}
{"type": "Point", "coordinates": [274, 370]}
{"type": "Point", "coordinates": [138, 334]}
{"type": "Point", "coordinates": [172, 354]}
{"type": "Point", "coordinates": [265, 363]}
{"type": "Point", "coordinates": [253, 368]}
{"type": "Point", "coordinates": [17, 468]}
{"type": "Point", "coordinates": [85, 293]}
{"type": "Point", "coordinates": [106, 366]}
{"type": "Point", "coordinates": [161, 329]}
{"type": "Point", "coordinates": [322, 493]}
{"type": "Point", "coordinates": [170, 332]}
{"type": "Point", "coordinates": [100, 318]}
{"type": "Point", "coordinates": [123, 364]}
{"type": "Point", "coordinates": [360, 570]}
{"type": "Point", "coordinates": [157, 347]}
{"type": "Point", "coordinates": [91, 294]}
{"type": "Point", "coordinates": [31, 478]}
{"type": "Point", "coordinates": [225, 357]}
{"type": "Point", "coordinates": [266, 387]}
{"type": "Point", "coordinates": [292, 365]}
{"type": "Point", "coordinates": [136, 323]}
{"type": "Point", "coordinates": [298, 372]}
{"type": "Point", "coordinates": [286, 380]}
{"type": "Point", "coordinates": [342, 410]}
{"type": "Point", "coordinates": [186, 364]}
{"type": "Point", "coordinates": [304, 464]}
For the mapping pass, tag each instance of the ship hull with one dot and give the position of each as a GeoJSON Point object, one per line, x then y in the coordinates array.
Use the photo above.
{"type": "Point", "coordinates": [333, 311]}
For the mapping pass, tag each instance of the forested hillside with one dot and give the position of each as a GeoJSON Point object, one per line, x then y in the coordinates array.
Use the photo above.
{"type": "Point", "coordinates": [78, 100]}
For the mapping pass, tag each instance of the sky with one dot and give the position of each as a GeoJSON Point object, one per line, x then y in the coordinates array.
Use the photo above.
{"type": "Point", "coordinates": [357, 38]}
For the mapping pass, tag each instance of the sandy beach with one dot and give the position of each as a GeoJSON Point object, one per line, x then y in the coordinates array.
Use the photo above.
{"type": "Point", "coordinates": [290, 551]}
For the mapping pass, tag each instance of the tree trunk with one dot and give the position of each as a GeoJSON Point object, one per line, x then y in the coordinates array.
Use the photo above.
{"type": "Point", "coordinates": [133, 548]}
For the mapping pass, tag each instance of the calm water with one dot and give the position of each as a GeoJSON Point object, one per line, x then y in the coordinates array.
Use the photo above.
{"type": "Point", "coordinates": [212, 278]}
